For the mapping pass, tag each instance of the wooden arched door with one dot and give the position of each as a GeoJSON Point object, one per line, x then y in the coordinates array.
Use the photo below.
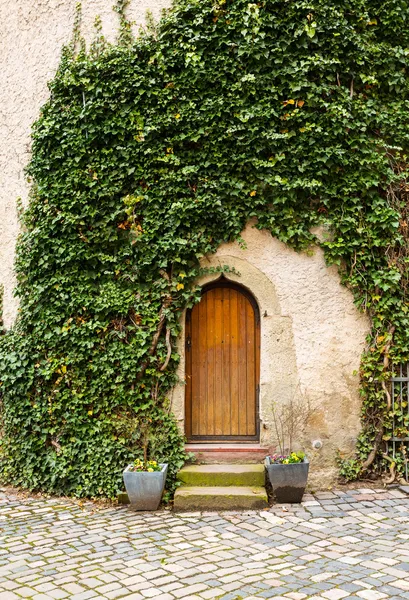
{"type": "Point", "coordinates": [222, 365]}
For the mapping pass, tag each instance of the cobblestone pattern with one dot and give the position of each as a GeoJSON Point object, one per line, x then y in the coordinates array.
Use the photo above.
{"type": "Point", "coordinates": [335, 545]}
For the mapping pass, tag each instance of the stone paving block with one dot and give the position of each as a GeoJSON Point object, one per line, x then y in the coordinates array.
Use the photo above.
{"type": "Point", "coordinates": [213, 593]}
{"type": "Point", "coordinates": [234, 585]}
{"type": "Point", "coordinates": [151, 592]}
{"type": "Point", "coordinates": [25, 592]}
{"type": "Point", "coordinates": [172, 586]}
{"type": "Point", "coordinates": [402, 584]}
{"type": "Point", "coordinates": [334, 594]}
{"type": "Point", "coordinates": [189, 590]}
{"type": "Point", "coordinates": [58, 594]}
{"type": "Point", "coordinates": [84, 595]}
{"type": "Point", "coordinates": [109, 587]}
{"type": "Point", "coordinates": [371, 595]}
{"type": "Point", "coordinates": [73, 588]}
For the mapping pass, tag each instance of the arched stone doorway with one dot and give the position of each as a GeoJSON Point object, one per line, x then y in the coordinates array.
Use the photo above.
{"type": "Point", "coordinates": [311, 340]}
{"type": "Point", "coordinates": [223, 365]}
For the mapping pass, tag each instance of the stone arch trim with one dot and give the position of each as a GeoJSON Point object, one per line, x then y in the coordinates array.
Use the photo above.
{"type": "Point", "coordinates": [278, 365]}
{"type": "Point", "coordinates": [225, 281]}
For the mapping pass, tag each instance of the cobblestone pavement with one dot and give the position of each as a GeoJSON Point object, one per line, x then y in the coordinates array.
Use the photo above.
{"type": "Point", "coordinates": [352, 544]}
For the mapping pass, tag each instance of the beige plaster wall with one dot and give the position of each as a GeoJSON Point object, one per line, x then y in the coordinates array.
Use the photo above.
{"type": "Point", "coordinates": [32, 33]}
{"type": "Point", "coordinates": [312, 338]}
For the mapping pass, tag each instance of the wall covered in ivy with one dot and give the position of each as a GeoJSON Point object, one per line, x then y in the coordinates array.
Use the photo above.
{"type": "Point", "coordinates": [32, 33]}
{"type": "Point", "coordinates": [148, 156]}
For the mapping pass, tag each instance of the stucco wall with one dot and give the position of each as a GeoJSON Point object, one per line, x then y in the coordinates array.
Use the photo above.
{"type": "Point", "coordinates": [312, 338]}
{"type": "Point", "coordinates": [32, 33]}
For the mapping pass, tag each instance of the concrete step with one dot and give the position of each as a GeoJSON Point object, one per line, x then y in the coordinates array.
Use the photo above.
{"type": "Point", "coordinates": [224, 475]}
{"type": "Point", "coordinates": [220, 498]}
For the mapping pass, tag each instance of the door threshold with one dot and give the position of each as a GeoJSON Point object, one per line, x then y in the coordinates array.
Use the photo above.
{"type": "Point", "coordinates": [222, 447]}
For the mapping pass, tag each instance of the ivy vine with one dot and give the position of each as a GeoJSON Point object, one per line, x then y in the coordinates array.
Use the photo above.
{"type": "Point", "coordinates": [152, 152]}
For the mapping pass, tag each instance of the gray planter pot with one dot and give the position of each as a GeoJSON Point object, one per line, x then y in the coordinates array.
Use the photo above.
{"type": "Point", "coordinates": [145, 489]}
{"type": "Point", "coordinates": [288, 481]}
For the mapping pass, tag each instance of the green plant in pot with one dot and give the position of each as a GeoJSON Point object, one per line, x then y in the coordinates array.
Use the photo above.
{"type": "Point", "coordinates": [288, 471]}
{"type": "Point", "coordinates": [145, 479]}
{"type": "Point", "coordinates": [145, 483]}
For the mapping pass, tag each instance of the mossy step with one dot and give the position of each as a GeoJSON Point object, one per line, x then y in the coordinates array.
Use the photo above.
{"type": "Point", "coordinates": [222, 475]}
{"type": "Point", "coordinates": [220, 498]}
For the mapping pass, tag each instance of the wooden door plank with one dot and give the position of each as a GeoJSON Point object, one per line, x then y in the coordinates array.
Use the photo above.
{"type": "Point", "coordinates": [188, 376]}
{"type": "Point", "coordinates": [251, 369]}
{"type": "Point", "coordinates": [242, 367]}
{"type": "Point", "coordinates": [257, 368]}
{"type": "Point", "coordinates": [195, 369]}
{"type": "Point", "coordinates": [226, 370]}
{"type": "Point", "coordinates": [234, 361]}
{"type": "Point", "coordinates": [218, 365]}
{"type": "Point", "coordinates": [203, 365]}
{"type": "Point", "coordinates": [210, 360]}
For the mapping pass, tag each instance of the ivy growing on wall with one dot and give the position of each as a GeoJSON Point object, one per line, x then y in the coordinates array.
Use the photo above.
{"type": "Point", "coordinates": [152, 152]}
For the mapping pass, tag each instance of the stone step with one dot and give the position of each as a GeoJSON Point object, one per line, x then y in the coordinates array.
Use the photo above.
{"type": "Point", "coordinates": [220, 498]}
{"type": "Point", "coordinates": [231, 453]}
{"type": "Point", "coordinates": [224, 475]}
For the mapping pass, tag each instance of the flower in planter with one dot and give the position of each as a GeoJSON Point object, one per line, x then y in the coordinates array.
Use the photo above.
{"type": "Point", "coordinates": [287, 459]}
{"type": "Point", "coordinates": [149, 466]}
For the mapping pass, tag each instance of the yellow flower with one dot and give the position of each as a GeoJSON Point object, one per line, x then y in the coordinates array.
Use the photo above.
{"type": "Point", "coordinates": [150, 470]}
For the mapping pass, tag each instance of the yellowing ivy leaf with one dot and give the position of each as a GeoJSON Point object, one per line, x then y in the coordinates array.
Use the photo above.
{"type": "Point", "coordinates": [311, 29]}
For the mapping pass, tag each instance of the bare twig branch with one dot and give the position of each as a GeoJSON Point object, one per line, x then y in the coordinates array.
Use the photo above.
{"type": "Point", "coordinates": [158, 332]}
{"type": "Point", "coordinates": [169, 347]}
{"type": "Point", "coordinates": [372, 455]}
{"type": "Point", "coordinates": [392, 469]}
{"type": "Point", "coordinates": [290, 419]}
{"type": "Point", "coordinates": [386, 361]}
{"type": "Point", "coordinates": [56, 445]}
